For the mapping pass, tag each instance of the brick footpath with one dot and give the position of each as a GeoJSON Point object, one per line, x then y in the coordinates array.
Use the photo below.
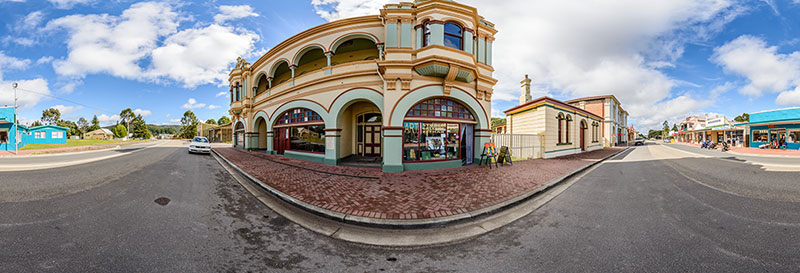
{"type": "Point", "coordinates": [368, 192]}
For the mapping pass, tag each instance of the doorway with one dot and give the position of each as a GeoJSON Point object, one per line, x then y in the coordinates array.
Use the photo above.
{"type": "Point", "coordinates": [281, 140]}
{"type": "Point", "coordinates": [368, 139]}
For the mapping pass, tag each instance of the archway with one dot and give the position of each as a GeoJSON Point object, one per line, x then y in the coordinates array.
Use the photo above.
{"type": "Point", "coordinates": [354, 49]}
{"type": "Point", "coordinates": [260, 125]}
{"type": "Point", "coordinates": [238, 134]}
{"type": "Point", "coordinates": [360, 140]}
{"type": "Point", "coordinates": [299, 130]}
{"type": "Point", "coordinates": [262, 84]}
{"type": "Point", "coordinates": [438, 129]}
{"type": "Point", "coordinates": [280, 72]}
{"type": "Point", "coordinates": [309, 59]}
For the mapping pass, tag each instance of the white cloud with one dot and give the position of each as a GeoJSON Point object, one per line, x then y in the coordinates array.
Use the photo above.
{"type": "Point", "coordinates": [174, 121]}
{"type": "Point", "coordinates": [68, 4]}
{"type": "Point", "coordinates": [332, 10]}
{"type": "Point", "coordinates": [790, 98]}
{"type": "Point", "coordinates": [144, 113]}
{"type": "Point", "coordinates": [762, 65]}
{"type": "Point", "coordinates": [69, 86]}
{"type": "Point", "coordinates": [108, 120]}
{"type": "Point", "coordinates": [9, 62]}
{"type": "Point", "coordinates": [192, 104]}
{"type": "Point", "coordinates": [26, 99]}
{"type": "Point", "coordinates": [587, 48]}
{"type": "Point", "coordinates": [66, 110]}
{"type": "Point", "coordinates": [233, 12]}
{"type": "Point", "coordinates": [223, 93]}
{"type": "Point", "coordinates": [44, 60]}
{"type": "Point", "coordinates": [32, 20]}
{"type": "Point", "coordinates": [144, 44]}
{"type": "Point", "coordinates": [212, 107]}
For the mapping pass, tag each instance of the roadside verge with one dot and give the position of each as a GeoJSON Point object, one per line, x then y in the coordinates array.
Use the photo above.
{"type": "Point", "coordinates": [413, 232]}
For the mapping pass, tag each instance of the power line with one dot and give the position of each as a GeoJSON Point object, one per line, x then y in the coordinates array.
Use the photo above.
{"type": "Point", "coordinates": [70, 101]}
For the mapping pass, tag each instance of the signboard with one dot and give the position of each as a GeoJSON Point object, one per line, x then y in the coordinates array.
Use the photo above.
{"type": "Point", "coordinates": [715, 122]}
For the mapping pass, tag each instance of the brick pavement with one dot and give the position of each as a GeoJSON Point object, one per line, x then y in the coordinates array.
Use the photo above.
{"type": "Point", "coordinates": [405, 195]}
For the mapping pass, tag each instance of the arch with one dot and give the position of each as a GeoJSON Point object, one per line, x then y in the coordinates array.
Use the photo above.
{"type": "Point", "coordinates": [349, 36]}
{"type": "Point", "coordinates": [411, 98]}
{"type": "Point", "coordinates": [306, 49]}
{"type": "Point", "coordinates": [259, 114]}
{"type": "Point", "coordinates": [261, 83]}
{"type": "Point", "coordinates": [454, 35]}
{"type": "Point", "coordinates": [300, 103]}
{"type": "Point", "coordinates": [275, 66]}
{"type": "Point", "coordinates": [583, 124]}
{"type": "Point", "coordinates": [347, 98]}
{"type": "Point", "coordinates": [241, 122]}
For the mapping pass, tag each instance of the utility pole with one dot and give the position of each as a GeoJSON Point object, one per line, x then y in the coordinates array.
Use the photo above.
{"type": "Point", "coordinates": [16, 120]}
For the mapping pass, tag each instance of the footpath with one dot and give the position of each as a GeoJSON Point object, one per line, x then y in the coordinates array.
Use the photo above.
{"type": "Point", "coordinates": [410, 199]}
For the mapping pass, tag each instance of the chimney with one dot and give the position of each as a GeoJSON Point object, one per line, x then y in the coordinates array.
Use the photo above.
{"type": "Point", "coordinates": [526, 90]}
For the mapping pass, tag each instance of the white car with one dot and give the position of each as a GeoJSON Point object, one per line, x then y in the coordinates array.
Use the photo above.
{"type": "Point", "coordinates": [199, 145]}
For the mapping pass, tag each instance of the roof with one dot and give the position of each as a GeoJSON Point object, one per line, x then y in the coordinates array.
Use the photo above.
{"type": "Point", "coordinates": [774, 110]}
{"type": "Point", "coordinates": [553, 101]}
{"type": "Point", "coordinates": [48, 126]}
{"type": "Point", "coordinates": [104, 130]}
{"type": "Point", "coordinates": [593, 98]}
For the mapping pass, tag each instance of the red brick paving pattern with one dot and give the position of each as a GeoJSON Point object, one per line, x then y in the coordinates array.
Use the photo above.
{"type": "Point", "coordinates": [406, 195]}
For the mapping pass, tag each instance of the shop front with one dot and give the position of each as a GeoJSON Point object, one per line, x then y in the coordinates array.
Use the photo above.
{"type": "Point", "coordinates": [777, 129]}
{"type": "Point", "coordinates": [438, 130]}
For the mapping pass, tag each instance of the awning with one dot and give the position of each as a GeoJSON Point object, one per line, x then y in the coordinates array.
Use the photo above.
{"type": "Point", "coordinates": [772, 122]}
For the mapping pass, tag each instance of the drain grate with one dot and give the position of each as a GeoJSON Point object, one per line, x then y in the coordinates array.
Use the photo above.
{"type": "Point", "coordinates": [162, 201]}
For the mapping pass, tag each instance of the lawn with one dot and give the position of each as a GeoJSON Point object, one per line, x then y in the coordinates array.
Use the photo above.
{"type": "Point", "coordinates": [73, 143]}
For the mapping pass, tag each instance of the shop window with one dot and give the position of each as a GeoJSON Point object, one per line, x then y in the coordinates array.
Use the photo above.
{"type": "Point", "coordinates": [432, 130]}
{"type": "Point", "coordinates": [760, 136]}
{"type": "Point", "coordinates": [453, 36]}
{"type": "Point", "coordinates": [4, 137]}
{"type": "Point", "coordinates": [307, 138]}
{"type": "Point", "coordinates": [793, 136]}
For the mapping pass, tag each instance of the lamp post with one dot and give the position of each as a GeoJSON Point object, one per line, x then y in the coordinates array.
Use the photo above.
{"type": "Point", "coordinates": [16, 126]}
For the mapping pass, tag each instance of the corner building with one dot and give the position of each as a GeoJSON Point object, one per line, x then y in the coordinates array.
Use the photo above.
{"type": "Point", "coordinates": [410, 89]}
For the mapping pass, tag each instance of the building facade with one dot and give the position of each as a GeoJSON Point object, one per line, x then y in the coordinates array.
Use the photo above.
{"type": "Point", "coordinates": [566, 128]}
{"type": "Point", "coordinates": [781, 126]}
{"type": "Point", "coordinates": [102, 134]}
{"type": "Point", "coordinates": [10, 132]}
{"type": "Point", "coordinates": [221, 133]}
{"type": "Point", "coordinates": [615, 119]}
{"type": "Point", "coordinates": [46, 134]}
{"type": "Point", "coordinates": [410, 87]}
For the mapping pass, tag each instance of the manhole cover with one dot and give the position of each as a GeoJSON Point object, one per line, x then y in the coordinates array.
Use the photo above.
{"type": "Point", "coordinates": [162, 201]}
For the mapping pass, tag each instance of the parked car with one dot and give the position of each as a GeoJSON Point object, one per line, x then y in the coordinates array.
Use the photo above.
{"type": "Point", "coordinates": [638, 141]}
{"type": "Point", "coordinates": [199, 145]}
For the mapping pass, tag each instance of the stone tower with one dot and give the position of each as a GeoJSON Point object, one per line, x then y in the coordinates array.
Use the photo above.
{"type": "Point", "coordinates": [526, 90]}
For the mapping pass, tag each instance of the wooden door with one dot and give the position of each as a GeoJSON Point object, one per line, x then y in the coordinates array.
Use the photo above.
{"type": "Point", "coordinates": [583, 141]}
{"type": "Point", "coordinates": [281, 142]}
{"type": "Point", "coordinates": [372, 140]}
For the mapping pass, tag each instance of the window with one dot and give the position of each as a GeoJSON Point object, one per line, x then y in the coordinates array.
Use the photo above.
{"type": "Point", "coordinates": [423, 141]}
{"type": "Point", "coordinates": [560, 117]}
{"type": "Point", "coordinates": [793, 136]}
{"type": "Point", "coordinates": [307, 138]}
{"type": "Point", "coordinates": [40, 134]}
{"type": "Point", "coordinates": [595, 131]}
{"type": "Point", "coordinates": [453, 36]}
{"type": "Point", "coordinates": [305, 130]}
{"type": "Point", "coordinates": [569, 118]}
{"type": "Point", "coordinates": [426, 33]}
{"type": "Point", "coordinates": [440, 108]}
{"type": "Point", "coordinates": [760, 136]}
{"type": "Point", "coordinates": [56, 134]}
{"type": "Point", "coordinates": [3, 136]}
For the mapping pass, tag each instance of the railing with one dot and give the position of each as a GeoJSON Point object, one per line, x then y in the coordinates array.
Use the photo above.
{"type": "Point", "coordinates": [521, 146]}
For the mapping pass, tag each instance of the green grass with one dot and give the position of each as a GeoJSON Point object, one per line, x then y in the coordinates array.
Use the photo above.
{"type": "Point", "coordinates": [72, 143]}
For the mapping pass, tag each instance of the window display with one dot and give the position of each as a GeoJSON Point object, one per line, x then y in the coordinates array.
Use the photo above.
{"type": "Point", "coordinates": [759, 136]}
{"type": "Point", "coordinates": [308, 138]}
{"type": "Point", "coordinates": [431, 141]}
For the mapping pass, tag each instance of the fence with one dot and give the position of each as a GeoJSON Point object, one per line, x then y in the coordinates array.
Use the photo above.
{"type": "Point", "coordinates": [521, 146]}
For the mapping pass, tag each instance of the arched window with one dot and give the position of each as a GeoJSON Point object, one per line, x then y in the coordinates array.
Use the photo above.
{"type": "Point", "coordinates": [238, 90]}
{"type": "Point", "coordinates": [300, 129]}
{"type": "Point", "coordinates": [560, 117]}
{"type": "Point", "coordinates": [426, 33]}
{"type": "Point", "coordinates": [453, 36]}
{"type": "Point", "coordinates": [433, 130]}
{"type": "Point", "coordinates": [569, 118]}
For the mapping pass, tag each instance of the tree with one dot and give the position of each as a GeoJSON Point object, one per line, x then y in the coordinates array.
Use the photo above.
{"type": "Point", "coordinates": [36, 123]}
{"type": "Point", "coordinates": [744, 117]}
{"type": "Point", "coordinates": [119, 131]}
{"type": "Point", "coordinates": [496, 121]}
{"type": "Point", "coordinates": [211, 121]}
{"type": "Point", "coordinates": [95, 124]}
{"type": "Point", "coordinates": [51, 116]}
{"type": "Point", "coordinates": [126, 116]}
{"type": "Point", "coordinates": [654, 133]}
{"type": "Point", "coordinates": [674, 127]}
{"type": "Point", "coordinates": [665, 130]}
{"type": "Point", "coordinates": [223, 120]}
{"type": "Point", "coordinates": [140, 128]}
{"type": "Point", "coordinates": [189, 125]}
{"type": "Point", "coordinates": [72, 128]}
{"type": "Point", "coordinates": [83, 125]}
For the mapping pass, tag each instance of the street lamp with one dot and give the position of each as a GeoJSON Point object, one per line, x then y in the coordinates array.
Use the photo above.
{"type": "Point", "coordinates": [16, 121]}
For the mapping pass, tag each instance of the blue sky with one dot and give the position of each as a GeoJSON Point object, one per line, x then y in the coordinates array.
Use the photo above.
{"type": "Point", "coordinates": [663, 59]}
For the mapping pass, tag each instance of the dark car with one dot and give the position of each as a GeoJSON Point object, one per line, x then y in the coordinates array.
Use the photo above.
{"type": "Point", "coordinates": [638, 141]}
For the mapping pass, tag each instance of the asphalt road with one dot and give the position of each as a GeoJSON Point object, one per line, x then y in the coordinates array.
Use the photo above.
{"type": "Point", "coordinates": [650, 209]}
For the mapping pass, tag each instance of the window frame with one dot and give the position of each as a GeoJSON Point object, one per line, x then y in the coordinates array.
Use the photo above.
{"type": "Point", "coordinates": [426, 33]}
{"type": "Point", "coordinates": [460, 35]}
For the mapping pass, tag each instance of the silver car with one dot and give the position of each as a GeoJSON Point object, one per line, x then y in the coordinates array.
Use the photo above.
{"type": "Point", "coordinates": [199, 145]}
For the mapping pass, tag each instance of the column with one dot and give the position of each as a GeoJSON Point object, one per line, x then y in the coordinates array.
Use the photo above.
{"type": "Point", "coordinates": [328, 55]}
{"type": "Point", "coordinates": [489, 51]}
{"type": "Point", "coordinates": [392, 149]}
{"type": "Point", "coordinates": [251, 141]}
{"type": "Point", "coordinates": [482, 136]}
{"type": "Point", "coordinates": [291, 81]}
{"type": "Point", "coordinates": [419, 33]}
{"type": "Point", "coordinates": [270, 139]}
{"type": "Point", "coordinates": [405, 33]}
{"type": "Point", "coordinates": [380, 50]}
{"type": "Point", "coordinates": [468, 41]}
{"type": "Point", "coordinates": [391, 33]}
{"type": "Point", "coordinates": [332, 138]}
{"type": "Point", "coordinates": [481, 50]}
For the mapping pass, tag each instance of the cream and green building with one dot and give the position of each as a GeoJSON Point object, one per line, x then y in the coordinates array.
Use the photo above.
{"type": "Point", "coordinates": [409, 89]}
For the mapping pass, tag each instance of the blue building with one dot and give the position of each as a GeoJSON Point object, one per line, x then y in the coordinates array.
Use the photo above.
{"type": "Point", "coordinates": [47, 134]}
{"type": "Point", "coordinates": [781, 125]}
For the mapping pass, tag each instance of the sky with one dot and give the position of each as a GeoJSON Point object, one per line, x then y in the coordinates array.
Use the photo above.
{"type": "Point", "coordinates": [663, 59]}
